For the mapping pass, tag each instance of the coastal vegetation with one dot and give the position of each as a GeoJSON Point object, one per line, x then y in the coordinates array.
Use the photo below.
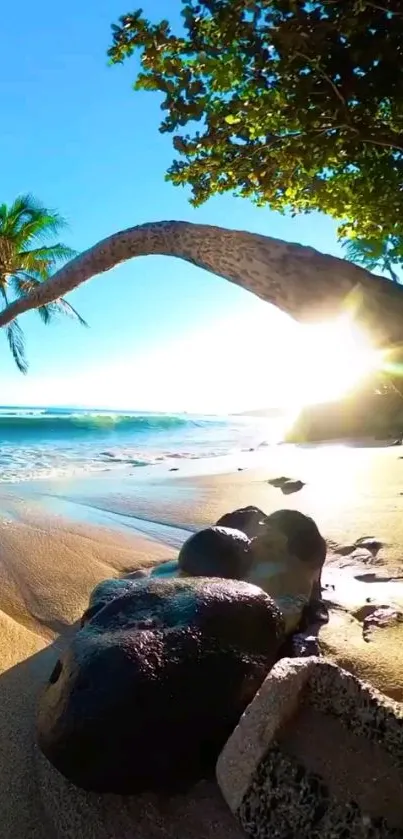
{"type": "Point", "coordinates": [297, 106]}
{"type": "Point", "coordinates": [28, 257]}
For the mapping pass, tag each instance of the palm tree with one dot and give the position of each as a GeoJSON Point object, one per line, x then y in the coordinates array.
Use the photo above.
{"type": "Point", "coordinates": [26, 261]}
{"type": "Point", "coordinates": [305, 283]}
{"type": "Point", "coordinates": [373, 253]}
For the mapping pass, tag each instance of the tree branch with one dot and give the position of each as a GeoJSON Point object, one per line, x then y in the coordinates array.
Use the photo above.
{"type": "Point", "coordinates": [382, 9]}
{"type": "Point", "coordinates": [387, 144]}
{"type": "Point", "coordinates": [324, 75]}
{"type": "Point", "coordinates": [316, 132]}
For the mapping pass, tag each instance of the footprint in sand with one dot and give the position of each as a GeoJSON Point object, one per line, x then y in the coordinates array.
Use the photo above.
{"type": "Point", "coordinates": [287, 485]}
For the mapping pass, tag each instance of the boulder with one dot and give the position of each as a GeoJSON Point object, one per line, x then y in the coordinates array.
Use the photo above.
{"type": "Point", "coordinates": [216, 552]}
{"type": "Point", "coordinates": [151, 687]}
{"type": "Point", "coordinates": [318, 753]}
{"type": "Point", "coordinates": [287, 561]}
{"type": "Point", "coordinates": [249, 519]}
{"type": "Point", "coordinates": [304, 539]}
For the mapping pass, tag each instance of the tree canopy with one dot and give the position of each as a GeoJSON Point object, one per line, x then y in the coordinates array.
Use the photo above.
{"type": "Point", "coordinates": [295, 105]}
{"type": "Point", "coordinates": [27, 259]}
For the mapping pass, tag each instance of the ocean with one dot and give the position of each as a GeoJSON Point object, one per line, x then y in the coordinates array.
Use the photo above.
{"type": "Point", "coordinates": [51, 443]}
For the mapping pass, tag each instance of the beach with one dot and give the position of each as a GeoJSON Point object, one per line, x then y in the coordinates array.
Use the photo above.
{"type": "Point", "coordinates": [59, 538]}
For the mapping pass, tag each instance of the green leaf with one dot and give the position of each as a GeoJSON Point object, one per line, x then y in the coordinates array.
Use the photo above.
{"type": "Point", "coordinates": [232, 120]}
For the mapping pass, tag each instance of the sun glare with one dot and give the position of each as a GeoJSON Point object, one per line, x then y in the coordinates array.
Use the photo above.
{"type": "Point", "coordinates": [332, 359]}
{"type": "Point", "coordinates": [260, 359]}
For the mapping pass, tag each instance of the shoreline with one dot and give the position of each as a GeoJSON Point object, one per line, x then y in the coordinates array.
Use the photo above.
{"type": "Point", "coordinates": [347, 490]}
{"type": "Point", "coordinates": [352, 494]}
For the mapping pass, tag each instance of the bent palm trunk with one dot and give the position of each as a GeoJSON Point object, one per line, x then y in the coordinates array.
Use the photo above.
{"type": "Point", "coordinates": [306, 284]}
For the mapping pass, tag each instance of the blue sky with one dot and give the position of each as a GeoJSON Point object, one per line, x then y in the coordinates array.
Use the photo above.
{"type": "Point", "coordinates": [164, 335]}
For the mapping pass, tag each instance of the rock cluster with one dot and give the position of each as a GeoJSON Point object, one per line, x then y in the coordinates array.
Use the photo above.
{"type": "Point", "coordinates": [175, 674]}
{"type": "Point", "coordinates": [167, 660]}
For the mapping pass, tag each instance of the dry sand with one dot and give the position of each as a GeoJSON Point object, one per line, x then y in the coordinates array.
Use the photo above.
{"type": "Point", "coordinates": [49, 565]}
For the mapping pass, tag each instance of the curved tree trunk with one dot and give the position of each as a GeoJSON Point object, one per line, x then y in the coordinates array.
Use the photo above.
{"type": "Point", "coordinates": [301, 281]}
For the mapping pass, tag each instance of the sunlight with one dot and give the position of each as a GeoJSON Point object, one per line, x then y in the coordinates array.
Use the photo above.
{"type": "Point", "coordinates": [332, 359]}
{"type": "Point", "coordinates": [258, 359]}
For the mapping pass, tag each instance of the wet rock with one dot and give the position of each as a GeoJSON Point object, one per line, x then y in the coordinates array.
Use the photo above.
{"type": "Point", "coordinates": [149, 690]}
{"type": "Point", "coordinates": [216, 552]}
{"type": "Point", "coordinates": [303, 537]}
{"type": "Point", "coordinates": [249, 519]}
{"type": "Point", "coordinates": [287, 561]}
{"type": "Point", "coordinates": [105, 592]}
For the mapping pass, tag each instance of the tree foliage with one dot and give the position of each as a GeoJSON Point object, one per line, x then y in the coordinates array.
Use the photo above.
{"type": "Point", "coordinates": [296, 105]}
{"type": "Point", "coordinates": [26, 260]}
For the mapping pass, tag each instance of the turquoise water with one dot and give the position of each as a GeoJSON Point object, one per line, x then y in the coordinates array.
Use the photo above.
{"type": "Point", "coordinates": [53, 442]}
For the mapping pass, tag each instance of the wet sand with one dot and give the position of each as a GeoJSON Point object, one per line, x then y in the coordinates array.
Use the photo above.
{"type": "Point", "coordinates": [58, 540]}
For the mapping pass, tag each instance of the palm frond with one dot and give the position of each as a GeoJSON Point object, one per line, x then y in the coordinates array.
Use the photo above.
{"type": "Point", "coordinates": [3, 214]}
{"type": "Point", "coordinates": [28, 220]}
{"type": "Point", "coordinates": [52, 253]}
{"type": "Point", "coordinates": [46, 314]}
{"type": "Point", "coordinates": [60, 307]}
{"type": "Point", "coordinates": [42, 261]}
{"type": "Point", "coordinates": [23, 283]}
{"type": "Point", "coordinates": [363, 251]}
{"type": "Point", "coordinates": [15, 338]}
{"type": "Point", "coordinates": [69, 310]}
{"type": "Point", "coordinates": [374, 253]}
{"type": "Point", "coordinates": [39, 227]}
{"type": "Point", "coordinates": [19, 211]}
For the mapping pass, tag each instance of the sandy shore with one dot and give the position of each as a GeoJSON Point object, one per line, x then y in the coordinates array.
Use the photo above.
{"type": "Point", "coordinates": [58, 540]}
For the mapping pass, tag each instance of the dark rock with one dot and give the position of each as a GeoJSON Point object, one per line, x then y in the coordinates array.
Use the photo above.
{"type": "Point", "coordinates": [105, 592]}
{"type": "Point", "coordinates": [166, 569]}
{"type": "Point", "coordinates": [278, 482]}
{"type": "Point", "coordinates": [304, 539]}
{"type": "Point", "coordinates": [288, 534]}
{"type": "Point", "coordinates": [292, 486]}
{"type": "Point", "coordinates": [216, 552]}
{"type": "Point", "coordinates": [250, 520]}
{"type": "Point", "coordinates": [150, 689]}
